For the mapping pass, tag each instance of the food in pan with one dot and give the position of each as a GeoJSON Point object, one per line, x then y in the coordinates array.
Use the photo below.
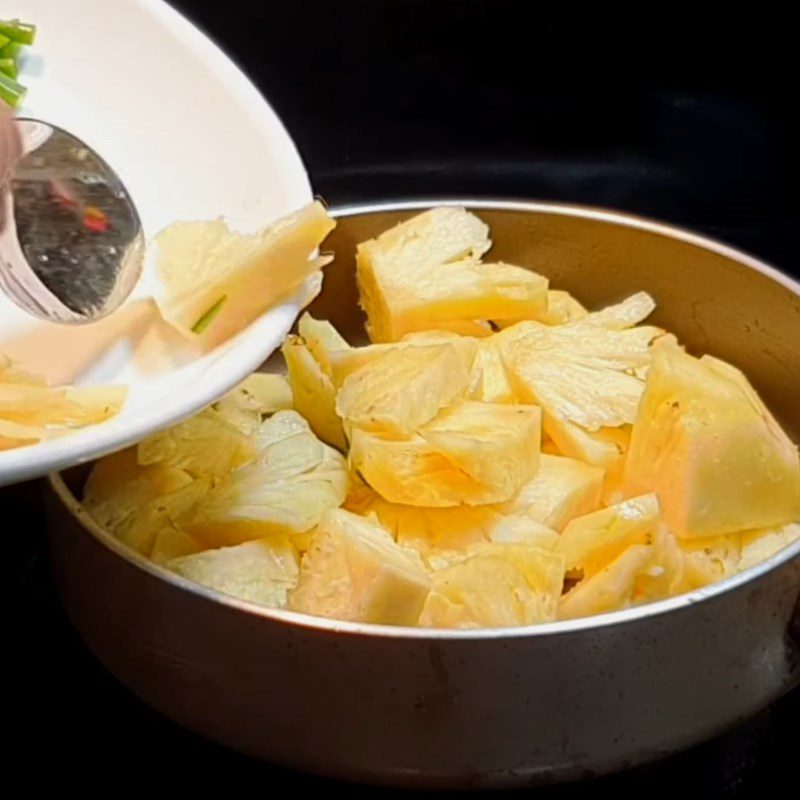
{"type": "Point", "coordinates": [499, 455]}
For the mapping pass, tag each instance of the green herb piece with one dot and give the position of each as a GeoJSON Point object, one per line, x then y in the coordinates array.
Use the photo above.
{"type": "Point", "coordinates": [208, 317]}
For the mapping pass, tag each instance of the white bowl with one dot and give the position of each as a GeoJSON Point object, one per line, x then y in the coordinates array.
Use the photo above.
{"type": "Point", "coordinates": [192, 139]}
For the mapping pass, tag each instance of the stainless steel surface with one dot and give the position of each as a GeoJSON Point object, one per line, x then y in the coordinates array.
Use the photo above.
{"type": "Point", "coordinates": [477, 708]}
{"type": "Point", "coordinates": [71, 243]}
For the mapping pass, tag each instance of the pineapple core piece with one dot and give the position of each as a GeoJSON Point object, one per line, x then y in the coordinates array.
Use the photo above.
{"type": "Point", "coordinates": [403, 388]}
{"type": "Point", "coordinates": [583, 373]}
{"type": "Point", "coordinates": [313, 395]}
{"type": "Point", "coordinates": [497, 445]}
{"type": "Point", "coordinates": [589, 543]}
{"type": "Point", "coordinates": [427, 271]}
{"type": "Point", "coordinates": [286, 490]}
{"type": "Point", "coordinates": [215, 281]}
{"type": "Point", "coordinates": [707, 445]}
{"type": "Point", "coordinates": [257, 395]}
{"type": "Point", "coordinates": [562, 489]}
{"type": "Point", "coordinates": [494, 585]}
{"type": "Point", "coordinates": [262, 571]}
{"type": "Point", "coordinates": [322, 339]}
{"type": "Point", "coordinates": [472, 453]}
{"type": "Point", "coordinates": [354, 570]}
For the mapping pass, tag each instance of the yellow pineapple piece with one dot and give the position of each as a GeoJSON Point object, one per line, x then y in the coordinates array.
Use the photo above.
{"type": "Point", "coordinates": [496, 585]}
{"type": "Point", "coordinates": [410, 470]}
{"type": "Point", "coordinates": [403, 388]}
{"type": "Point", "coordinates": [476, 328]}
{"type": "Point", "coordinates": [31, 404]}
{"type": "Point", "coordinates": [522, 530]}
{"type": "Point", "coordinates": [313, 394]}
{"type": "Point", "coordinates": [205, 444]}
{"type": "Point", "coordinates": [321, 338]}
{"type": "Point", "coordinates": [561, 308]}
{"type": "Point", "coordinates": [262, 571]}
{"type": "Point", "coordinates": [171, 542]}
{"type": "Point", "coordinates": [591, 542]}
{"type": "Point", "coordinates": [347, 361]}
{"type": "Point", "coordinates": [426, 271]}
{"type": "Point", "coordinates": [488, 379]}
{"type": "Point", "coordinates": [355, 571]}
{"type": "Point", "coordinates": [611, 589]}
{"type": "Point", "coordinates": [708, 446]}
{"type": "Point", "coordinates": [140, 528]}
{"type": "Point", "coordinates": [215, 282]}
{"type": "Point", "coordinates": [118, 486]}
{"type": "Point", "coordinates": [756, 546]}
{"type": "Point", "coordinates": [562, 489]}
{"type": "Point", "coordinates": [579, 373]}
{"type": "Point", "coordinates": [712, 558]}
{"type": "Point", "coordinates": [295, 480]}
{"type": "Point", "coordinates": [626, 314]}
{"type": "Point", "coordinates": [257, 395]}
{"type": "Point", "coordinates": [497, 445]}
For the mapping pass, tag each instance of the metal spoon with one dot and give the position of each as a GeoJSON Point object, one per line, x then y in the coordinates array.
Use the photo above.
{"type": "Point", "coordinates": [71, 242]}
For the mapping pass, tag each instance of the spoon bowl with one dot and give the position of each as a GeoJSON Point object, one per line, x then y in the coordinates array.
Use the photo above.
{"type": "Point", "coordinates": [71, 241]}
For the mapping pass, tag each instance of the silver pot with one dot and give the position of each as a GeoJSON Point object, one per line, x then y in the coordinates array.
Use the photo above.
{"type": "Point", "coordinates": [486, 708]}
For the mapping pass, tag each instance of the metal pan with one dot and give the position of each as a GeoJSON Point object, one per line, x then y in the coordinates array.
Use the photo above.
{"type": "Point", "coordinates": [486, 708]}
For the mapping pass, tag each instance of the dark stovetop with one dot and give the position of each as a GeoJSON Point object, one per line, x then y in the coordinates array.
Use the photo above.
{"type": "Point", "coordinates": [685, 119]}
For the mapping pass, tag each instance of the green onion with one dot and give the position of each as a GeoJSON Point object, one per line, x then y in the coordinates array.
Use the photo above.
{"type": "Point", "coordinates": [10, 91]}
{"type": "Point", "coordinates": [11, 50]}
{"type": "Point", "coordinates": [14, 35]}
{"type": "Point", "coordinates": [9, 67]}
{"type": "Point", "coordinates": [16, 31]}
{"type": "Point", "coordinates": [208, 317]}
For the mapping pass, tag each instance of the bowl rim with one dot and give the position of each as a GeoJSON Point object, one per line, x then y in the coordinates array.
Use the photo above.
{"type": "Point", "coordinates": [631, 615]}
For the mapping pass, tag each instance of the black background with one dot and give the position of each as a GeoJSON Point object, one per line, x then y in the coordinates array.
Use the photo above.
{"type": "Point", "coordinates": [658, 110]}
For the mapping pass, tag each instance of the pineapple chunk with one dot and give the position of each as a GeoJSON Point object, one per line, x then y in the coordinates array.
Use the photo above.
{"type": "Point", "coordinates": [118, 486]}
{"type": "Point", "coordinates": [626, 314]}
{"type": "Point", "coordinates": [205, 444]}
{"type": "Point", "coordinates": [140, 529]}
{"type": "Point", "coordinates": [31, 404]}
{"type": "Point", "coordinates": [313, 394]}
{"type": "Point", "coordinates": [562, 307]}
{"type": "Point", "coordinates": [347, 361]}
{"type": "Point", "coordinates": [295, 480]}
{"type": "Point", "coordinates": [580, 372]}
{"type": "Point", "coordinates": [257, 395]}
{"type": "Point", "coordinates": [411, 471]}
{"type": "Point", "coordinates": [760, 545]}
{"type": "Point", "coordinates": [495, 585]}
{"type": "Point", "coordinates": [523, 530]}
{"type": "Point", "coordinates": [497, 445]}
{"type": "Point", "coordinates": [321, 338]}
{"type": "Point", "coordinates": [488, 380]}
{"type": "Point", "coordinates": [403, 388]}
{"type": "Point", "coordinates": [171, 542]}
{"type": "Point", "coordinates": [705, 442]}
{"type": "Point", "coordinates": [216, 282]}
{"type": "Point", "coordinates": [589, 543]}
{"type": "Point", "coordinates": [452, 461]}
{"type": "Point", "coordinates": [262, 571]}
{"type": "Point", "coordinates": [355, 571]}
{"type": "Point", "coordinates": [712, 558]}
{"type": "Point", "coordinates": [426, 271]}
{"type": "Point", "coordinates": [476, 328]}
{"type": "Point", "coordinates": [611, 589]}
{"type": "Point", "coordinates": [562, 489]}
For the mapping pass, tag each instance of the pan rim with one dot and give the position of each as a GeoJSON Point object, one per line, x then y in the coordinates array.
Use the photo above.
{"type": "Point", "coordinates": [590, 624]}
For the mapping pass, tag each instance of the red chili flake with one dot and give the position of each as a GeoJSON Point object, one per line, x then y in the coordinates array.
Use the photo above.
{"type": "Point", "coordinates": [95, 220]}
